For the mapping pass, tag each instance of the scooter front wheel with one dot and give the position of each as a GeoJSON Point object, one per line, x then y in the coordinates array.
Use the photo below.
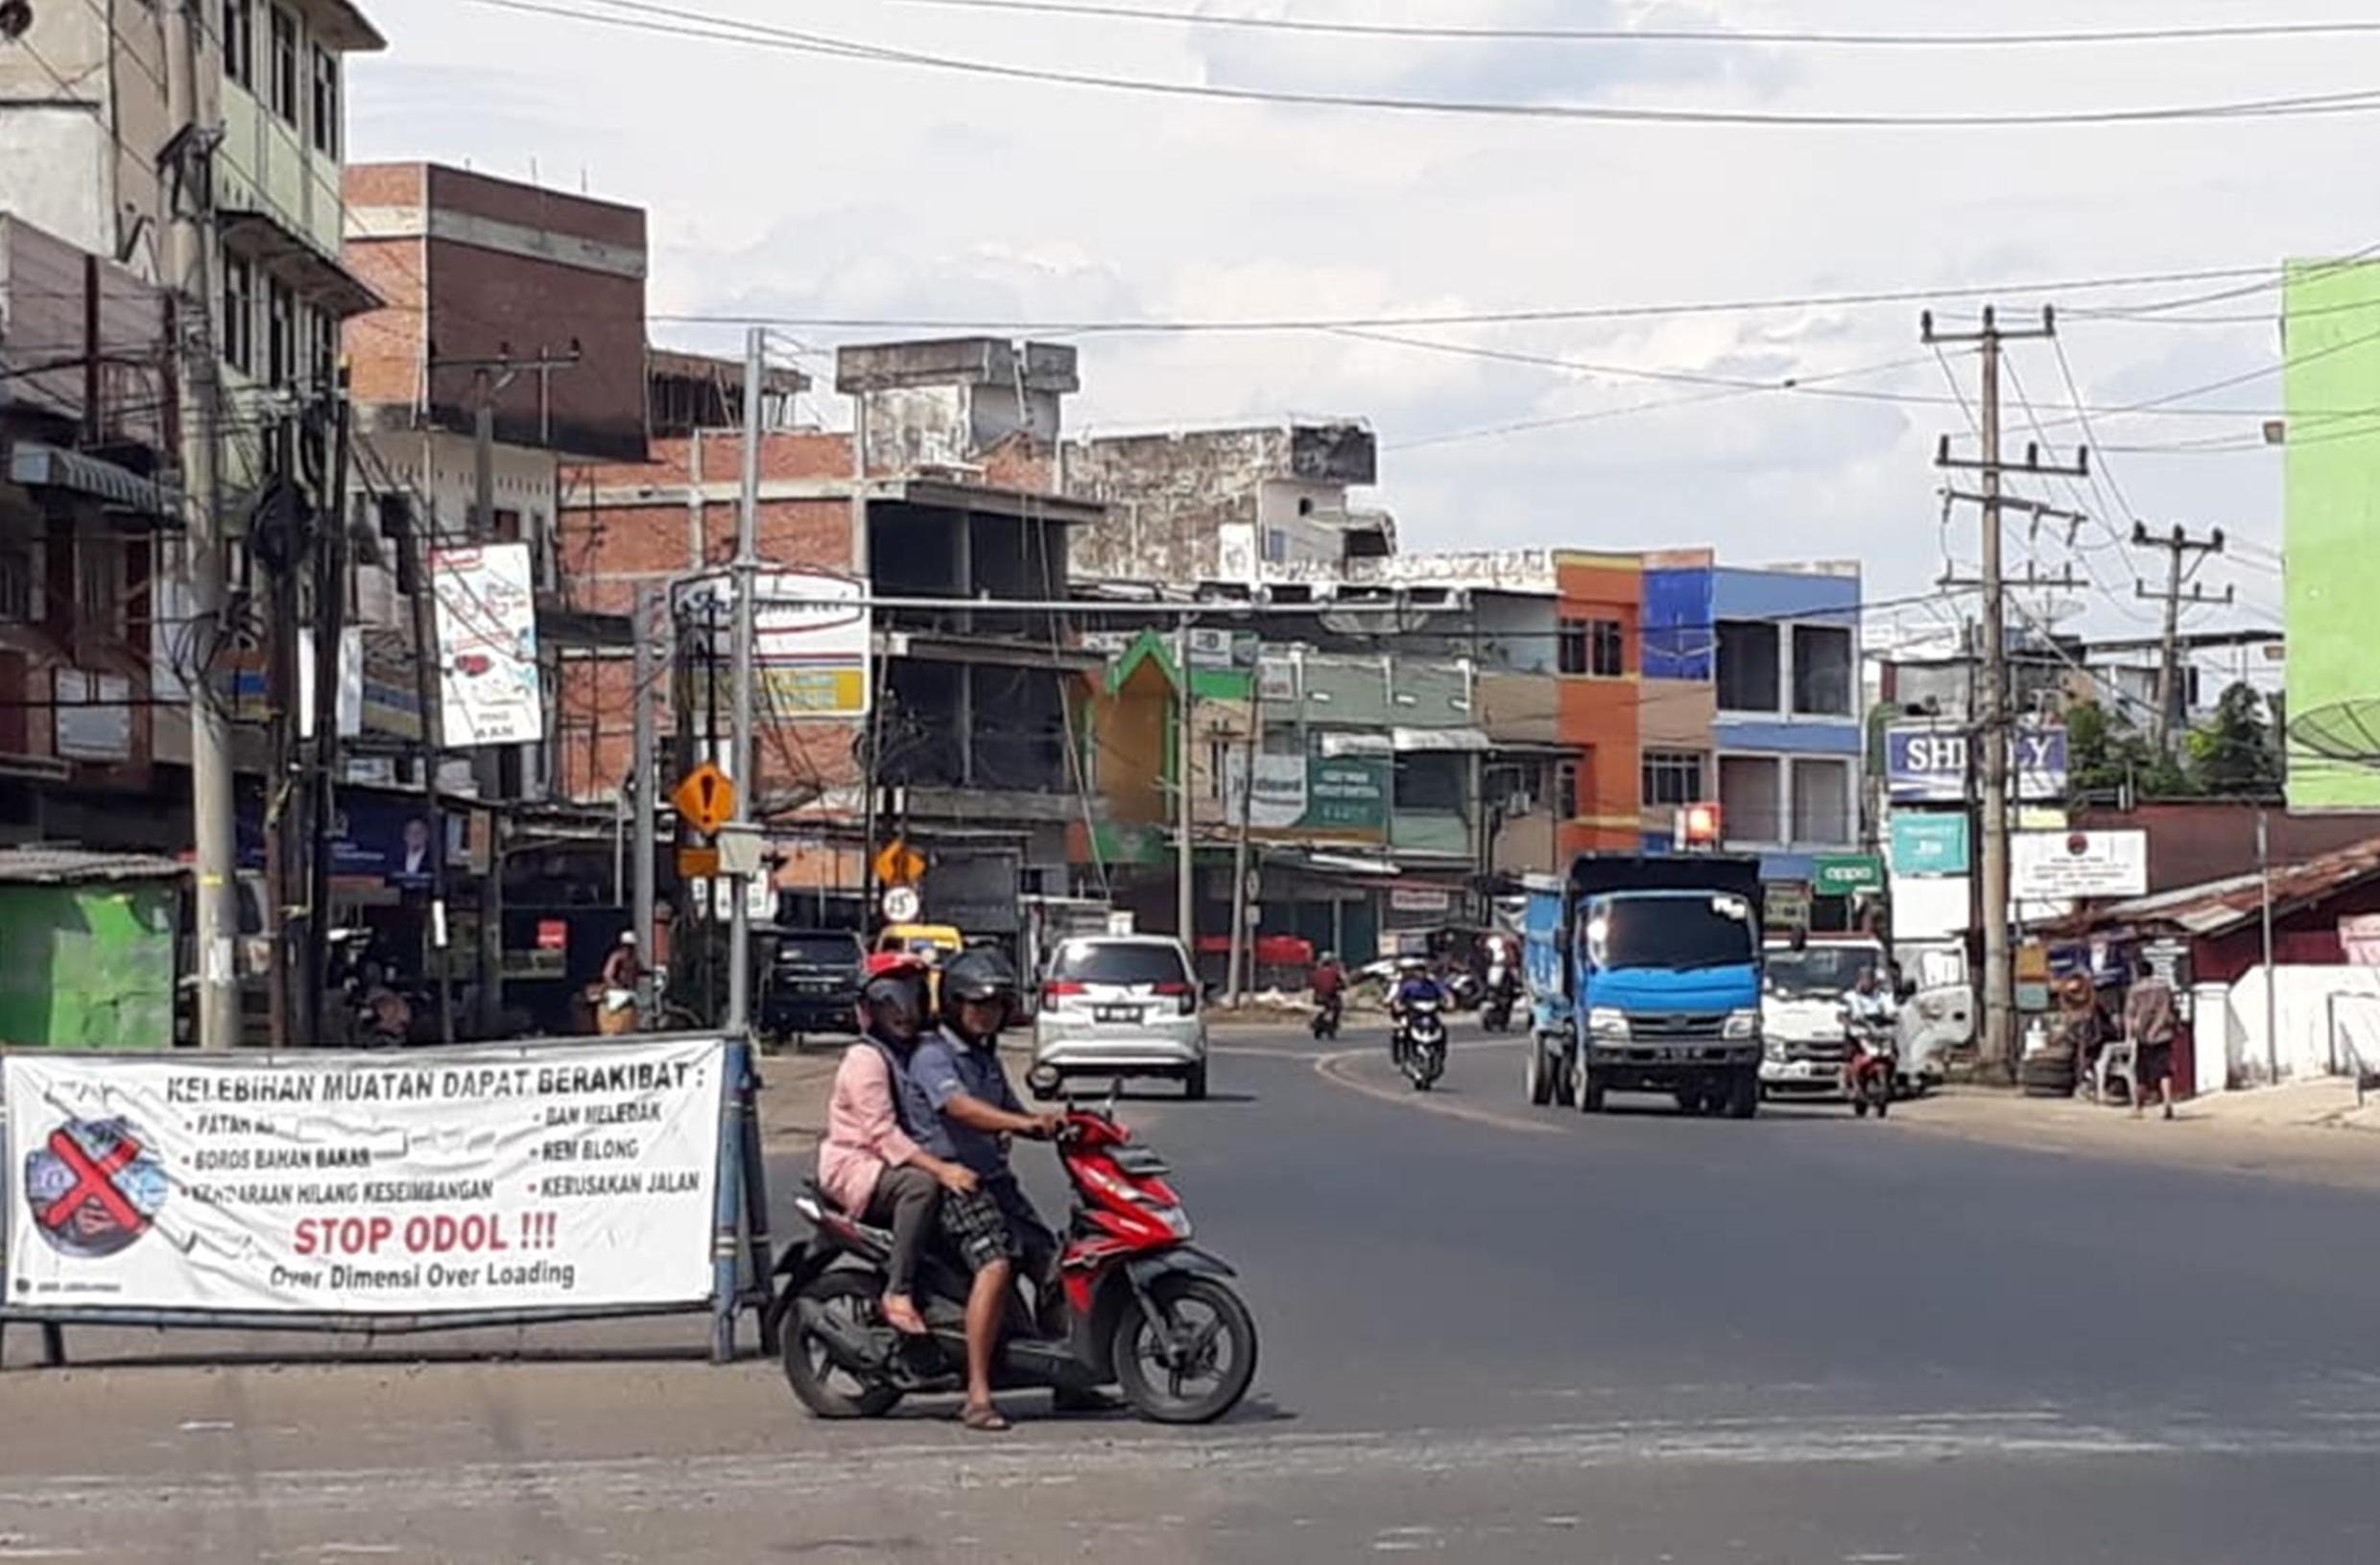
{"type": "Point", "coordinates": [842, 1303]}
{"type": "Point", "coordinates": [1195, 1367]}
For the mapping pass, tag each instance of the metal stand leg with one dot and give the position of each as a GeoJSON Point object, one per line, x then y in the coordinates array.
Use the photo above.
{"type": "Point", "coordinates": [759, 1250]}
{"type": "Point", "coordinates": [726, 1217]}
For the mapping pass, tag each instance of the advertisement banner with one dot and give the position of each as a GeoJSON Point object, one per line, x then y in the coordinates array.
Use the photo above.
{"type": "Point", "coordinates": [1926, 764]}
{"type": "Point", "coordinates": [489, 692]}
{"type": "Point", "coordinates": [1841, 874]}
{"type": "Point", "coordinates": [1343, 794]}
{"type": "Point", "coordinates": [505, 1176]}
{"type": "Point", "coordinates": [1278, 801]}
{"type": "Point", "coordinates": [1928, 843]}
{"type": "Point", "coordinates": [812, 637]}
{"type": "Point", "coordinates": [2061, 866]}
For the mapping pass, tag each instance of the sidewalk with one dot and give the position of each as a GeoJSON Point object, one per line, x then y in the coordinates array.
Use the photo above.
{"type": "Point", "coordinates": [2310, 1131]}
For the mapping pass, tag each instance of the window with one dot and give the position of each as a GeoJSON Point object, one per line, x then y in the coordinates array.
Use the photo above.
{"type": "Point", "coordinates": [1747, 657]}
{"type": "Point", "coordinates": [1275, 546]}
{"type": "Point", "coordinates": [1748, 800]}
{"type": "Point", "coordinates": [16, 580]}
{"type": "Point", "coordinates": [1673, 777]}
{"type": "Point", "coordinates": [285, 64]}
{"type": "Point", "coordinates": [98, 586]}
{"type": "Point", "coordinates": [1823, 803]}
{"type": "Point", "coordinates": [238, 314]}
{"type": "Point", "coordinates": [1434, 782]}
{"type": "Point", "coordinates": [1605, 657]}
{"type": "Point", "coordinates": [239, 42]}
{"type": "Point", "coordinates": [325, 101]}
{"type": "Point", "coordinates": [1125, 962]}
{"type": "Point", "coordinates": [280, 333]}
{"type": "Point", "coordinates": [1566, 790]}
{"type": "Point", "coordinates": [1822, 670]}
{"type": "Point", "coordinates": [1593, 647]}
{"type": "Point", "coordinates": [323, 335]}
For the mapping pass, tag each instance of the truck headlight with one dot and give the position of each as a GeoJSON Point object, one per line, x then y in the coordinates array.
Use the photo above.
{"type": "Point", "coordinates": [1774, 1051]}
{"type": "Point", "coordinates": [1607, 1021]}
{"type": "Point", "coordinates": [1741, 1025]}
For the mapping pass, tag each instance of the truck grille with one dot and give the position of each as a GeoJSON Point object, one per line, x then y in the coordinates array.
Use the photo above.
{"type": "Point", "coordinates": [1679, 1025]}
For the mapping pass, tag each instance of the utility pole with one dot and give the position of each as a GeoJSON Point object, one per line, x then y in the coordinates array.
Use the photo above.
{"type": "Point", "coordinates": [189, 258]}
{"type": "Point", "coordinates": [746, 571]}
{"type": "Point", "coordinates": [277, 534]}
{"type": "Point", "coordinates": [2183, 557]}
{"type": "Point", "coordinates": [642, 796]}
{"type": "Point", "coordinates": [1185, 889]}
{"type": "Point", "coordinates": [1238, 962]}
{"type": "Point", "coordinates": [331, 611]}
{"type": "Point", "coordinates": [1988, 746]}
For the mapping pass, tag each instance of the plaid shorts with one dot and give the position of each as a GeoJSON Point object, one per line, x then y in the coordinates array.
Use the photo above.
{"type": "Point", "coordinates": [976, 1226]}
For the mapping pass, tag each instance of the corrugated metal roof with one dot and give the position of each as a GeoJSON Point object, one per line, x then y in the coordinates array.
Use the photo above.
{"type": "Point", "coordinates": [2213, 907]}
{"type": "Point", "coordinates": [67, 865]}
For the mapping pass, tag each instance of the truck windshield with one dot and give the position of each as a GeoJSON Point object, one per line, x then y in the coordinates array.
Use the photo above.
{"type": "Point", "coordinates": [1674, 932]}
{"type": "Point", "coordinates": [1816, 970]}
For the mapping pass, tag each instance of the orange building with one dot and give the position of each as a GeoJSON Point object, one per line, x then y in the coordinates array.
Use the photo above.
{"type": "Point", "coordinates": [1599, 674]}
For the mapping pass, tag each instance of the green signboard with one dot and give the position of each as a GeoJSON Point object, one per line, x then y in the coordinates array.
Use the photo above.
{"type": "Point", "coordinates": [1346, 794]}
{"type": "Point", "coordinates": [1932, 843]}
{"type": "Point", "coordinates": [1840, 874]}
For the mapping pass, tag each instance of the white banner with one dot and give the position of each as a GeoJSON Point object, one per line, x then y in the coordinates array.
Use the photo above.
{"type": "Point", "coordinates": [1278, 800]}
{"type": "Point", "coordinates": [502, 1176]}
{"type": "Point", "coordinates": [489, 687]}
{"type": "Point", "coordinates": [2058, 865]}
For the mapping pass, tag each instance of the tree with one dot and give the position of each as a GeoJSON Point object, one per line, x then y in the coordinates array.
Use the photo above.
{"type": "Point", "coordinates": [2232, 753]}
{"type": "Point", "coordinates": [2107, 757]}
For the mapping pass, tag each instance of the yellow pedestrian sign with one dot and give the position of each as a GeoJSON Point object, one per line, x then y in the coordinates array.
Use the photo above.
{"type": "Point", "coordinates": [707, 799]}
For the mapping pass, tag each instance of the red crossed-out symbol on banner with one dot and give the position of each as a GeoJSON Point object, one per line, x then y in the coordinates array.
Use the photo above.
{"type": "Point", "coordinates": [94, 1180]}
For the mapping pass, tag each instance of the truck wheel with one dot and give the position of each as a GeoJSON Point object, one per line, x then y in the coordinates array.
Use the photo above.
{"type": "Point", "coordinates": [1539, 1080]}
{"type": "Point", "coordinates": [1590, 1093]}
{"type": "Point", "coordinates": [1566, 1084]}
{"type": "Point", "coordinates": [1744, 1098]}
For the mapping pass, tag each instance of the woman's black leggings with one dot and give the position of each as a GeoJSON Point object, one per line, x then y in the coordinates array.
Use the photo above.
{"type": "Point", "coordinates": [905, 1202]}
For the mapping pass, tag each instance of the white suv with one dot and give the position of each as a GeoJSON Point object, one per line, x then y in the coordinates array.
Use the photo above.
{"type": "Point", "coordinates": [1121, 1005]}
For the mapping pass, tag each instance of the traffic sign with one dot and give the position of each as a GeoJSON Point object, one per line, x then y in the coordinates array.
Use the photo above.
{"type": "Point", "coordinates": [898, 863]}
{"type": "Point", "coordinates": [901, 905]}
{"type": "Point", "coordinates": [705, 800]}
{"type": "Point", "coordinates": [1840, 874]}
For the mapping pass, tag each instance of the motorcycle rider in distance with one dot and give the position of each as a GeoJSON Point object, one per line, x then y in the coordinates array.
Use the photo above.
{"type": "Point", "coordinates": [1415, 982]}
{"type": "Point", "coordinates": [868, 1163]}
{"type": "Point", "coordinates": [1329, 983]}
{"type": "Point", "coordinates": [1866, 1002]}
{"type": "Point", "coordinates": [979, 1112]}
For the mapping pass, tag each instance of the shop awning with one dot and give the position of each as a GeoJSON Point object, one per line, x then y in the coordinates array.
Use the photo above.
{"type": "Point", "coordinates": [1337, 745]}
{"type": "Point", "coordinates": [1440, 741]}
{"type": "Point", "coordinates": [36, 466]}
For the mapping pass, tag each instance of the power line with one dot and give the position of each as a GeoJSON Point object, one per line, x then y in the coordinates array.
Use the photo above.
{"type": "Point", "coordinates": [709, 27]}
{"type": "Point", "coordinates": [1657, 34]}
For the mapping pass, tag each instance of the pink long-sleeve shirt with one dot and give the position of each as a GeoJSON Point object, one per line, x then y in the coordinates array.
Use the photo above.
{"type": "Point", "coordinates": [864, 1135]}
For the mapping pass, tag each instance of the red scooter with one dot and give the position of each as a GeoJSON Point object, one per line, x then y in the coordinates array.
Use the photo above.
{"type": "Point", "coordinates": [1139, 1306]}
{"type": "Point", "coordinates": [1874, 1062]}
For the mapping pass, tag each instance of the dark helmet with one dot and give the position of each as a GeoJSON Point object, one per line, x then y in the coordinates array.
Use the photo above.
{"type": "Point", "coordinates": [895, 986]}
{"type": "Point", "coordinates": [977, 974]}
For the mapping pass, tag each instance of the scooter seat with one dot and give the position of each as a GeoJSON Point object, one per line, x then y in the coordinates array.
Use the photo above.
{"type": "Point", "coordinates": [879, 1239]}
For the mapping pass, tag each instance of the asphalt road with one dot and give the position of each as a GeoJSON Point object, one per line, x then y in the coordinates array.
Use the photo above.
{"type": "Point", "coordinates": [1490, 1333]}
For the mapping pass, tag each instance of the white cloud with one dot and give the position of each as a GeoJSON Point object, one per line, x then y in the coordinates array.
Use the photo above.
{"type": "Point", "coordinates": [824, 188]}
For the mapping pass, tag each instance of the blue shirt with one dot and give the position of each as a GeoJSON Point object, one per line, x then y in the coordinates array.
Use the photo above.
{"type": "Point", "coordinates": [945, 1069]}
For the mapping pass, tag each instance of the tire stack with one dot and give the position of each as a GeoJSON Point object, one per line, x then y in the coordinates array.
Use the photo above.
{"type": "Point", "coordinates": [2047, 1075]}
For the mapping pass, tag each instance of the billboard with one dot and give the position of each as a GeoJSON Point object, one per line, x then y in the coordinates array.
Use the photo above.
{"type": "Point", "coordinates": [495, 1177]}
{"type": "Point", "coordinates": [1323, 796]}
{"type": "Point", "coordinates": [1930, 843]}
{"type": "Point", "coordinates": [811, 638]}
{"type": "Point", "coordinates": [490, 691]}
{"type": "Point", "coordinates": [1927, 765]}
{"type": "Point", "coordinates": [2066, 865]}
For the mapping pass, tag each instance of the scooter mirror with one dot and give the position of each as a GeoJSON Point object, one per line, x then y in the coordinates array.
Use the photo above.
{"type": "Point", "coordinates": [1044, 1080]}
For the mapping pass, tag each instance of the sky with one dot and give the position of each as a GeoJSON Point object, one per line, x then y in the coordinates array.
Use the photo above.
{"type": "Point", "coordinates": [794, 185]}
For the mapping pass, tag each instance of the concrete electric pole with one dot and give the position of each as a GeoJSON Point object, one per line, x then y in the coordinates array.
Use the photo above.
{"type": "Point", "coordinates": [1988, 745]}
{"type": "Point", "coordinates": [189, 258]}
{"type": "Point", "coordinates": [745, 570]}
{"type": "Point", "coordinates": [2184, 555]}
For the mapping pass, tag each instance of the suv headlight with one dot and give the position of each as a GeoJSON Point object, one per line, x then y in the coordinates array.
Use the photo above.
{"type": "Point", "coordinates": [1607, 1021]}
{"type": "Point", "coordinates": [1741, 1025]}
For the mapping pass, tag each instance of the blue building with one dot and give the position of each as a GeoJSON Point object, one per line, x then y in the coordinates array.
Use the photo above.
{"type": "Point", "coordinates": [1785, 726]}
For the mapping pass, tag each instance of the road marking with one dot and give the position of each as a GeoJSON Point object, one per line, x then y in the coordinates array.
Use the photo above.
{"type": "Point", "coordinates": [1338, 1068]}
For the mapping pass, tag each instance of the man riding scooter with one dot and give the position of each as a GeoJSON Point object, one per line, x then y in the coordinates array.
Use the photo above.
{"type": "Point", "coordinates": [961, 1074]}
{"type": "Point", "coordinates": [1415, 985]}
{"type": "Point", "coordinates": [1873, 1022]}
{"type": "Point", "coordinates": [1329, 983]}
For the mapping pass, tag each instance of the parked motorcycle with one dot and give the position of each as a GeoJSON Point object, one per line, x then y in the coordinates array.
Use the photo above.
{"type": "Point", "coordinates": [1418, 1044]}
{"type": "Point", "coordinates": [1325, 1023]}
{"type": "Point", "coordinates": [1141, 1308]}
{"type": "Point", "coordinates": [1872, 1063]}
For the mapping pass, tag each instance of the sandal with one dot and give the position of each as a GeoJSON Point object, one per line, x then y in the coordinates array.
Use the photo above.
{"type": "Point", "coordinates": [984, 1420]}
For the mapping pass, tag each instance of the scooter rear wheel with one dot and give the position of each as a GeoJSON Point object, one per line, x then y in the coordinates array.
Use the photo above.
{"type": "Point", "coordinates": [821, 1385]}
{"type": "Point", "coordinates": [1217, 1337]}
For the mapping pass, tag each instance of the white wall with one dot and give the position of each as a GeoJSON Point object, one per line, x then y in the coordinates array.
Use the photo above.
{"type": "Point", "coordinates": [2303, 1012]}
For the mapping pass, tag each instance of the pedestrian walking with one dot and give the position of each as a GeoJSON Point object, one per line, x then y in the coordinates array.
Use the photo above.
{"type": "Point", "coordinates": [2151, 1020]}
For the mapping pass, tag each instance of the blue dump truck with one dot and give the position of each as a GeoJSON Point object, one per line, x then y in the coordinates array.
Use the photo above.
{"type": "Point", "coordinates": [1644, 976]}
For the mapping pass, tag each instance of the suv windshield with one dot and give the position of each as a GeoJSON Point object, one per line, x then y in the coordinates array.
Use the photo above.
{"type": "Point", "coordinates": [1826, 971]}
{"type": "Point", "coordinates": [1100, 961]}
{"type": "Point", "coordinates": [1674, 932]}
{"type": "Point", "coordinates": [818, 951]}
